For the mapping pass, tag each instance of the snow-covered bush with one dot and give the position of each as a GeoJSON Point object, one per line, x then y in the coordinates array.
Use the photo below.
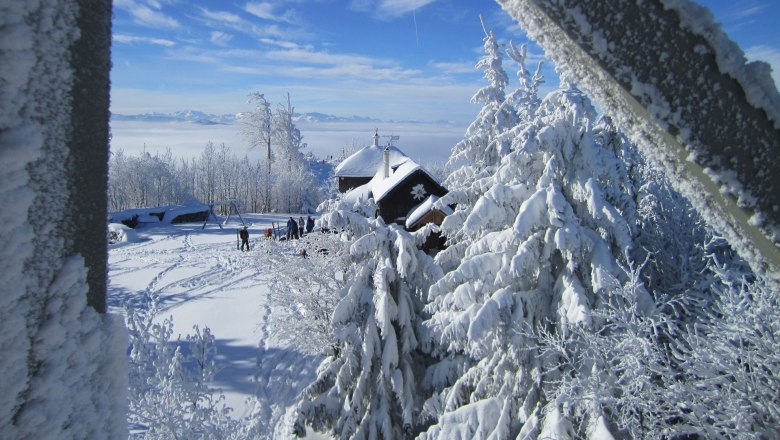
{"type": "Point", "coordinates": [119, 233]}
{"type": "Point", "coordinates": [169, 392]}
{"type": "Point", "coordinates": [305, 291]}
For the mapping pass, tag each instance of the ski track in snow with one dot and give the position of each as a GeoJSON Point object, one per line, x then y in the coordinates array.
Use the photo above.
{"type": "Point", "coordinates": [200, 278]}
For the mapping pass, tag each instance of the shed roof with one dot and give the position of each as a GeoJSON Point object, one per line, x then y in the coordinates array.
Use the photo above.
{"type": "Point", "coordinates": [423, 208]}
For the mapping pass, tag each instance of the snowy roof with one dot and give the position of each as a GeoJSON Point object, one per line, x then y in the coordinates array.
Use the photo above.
{"type": "Point", "coordinates": [366, 161]}
{"type": "Point", "coordinates": [378, 186]}
{"type": "Point", "coordinates": [423, 208]}
{"type": "Point", "coordinates": [381, 187]}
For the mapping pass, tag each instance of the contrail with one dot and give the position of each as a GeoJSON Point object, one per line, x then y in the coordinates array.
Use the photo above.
{"type": "Point", "coordinates": [416, 36]}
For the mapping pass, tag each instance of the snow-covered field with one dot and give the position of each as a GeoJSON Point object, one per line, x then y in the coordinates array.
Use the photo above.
{"type": "Point", "coordinates": [202, 279]}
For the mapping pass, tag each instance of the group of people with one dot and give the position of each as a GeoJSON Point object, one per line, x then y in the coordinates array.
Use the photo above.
{"type": "Point", "coordinates": [295, 229]}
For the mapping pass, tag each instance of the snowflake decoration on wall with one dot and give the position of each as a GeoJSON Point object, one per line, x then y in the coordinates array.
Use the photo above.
{"type": "Point", "coordinates": [418, 192]}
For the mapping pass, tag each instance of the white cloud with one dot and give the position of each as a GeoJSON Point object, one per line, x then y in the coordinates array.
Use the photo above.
{"type": "Point", "coordinates": [388, 8]}
{"type": "Point", "coordinates": [220, 16]}
{"type": "Point", "coordinates": [397, 8]}
{"type": "Point", "coordinates": [146, 16]}
{"type": "Point", "coordinates": [220, 38]}
{"type": "Point", "coordinates": [284, 44]}
{"type": "Point", "coordinates": [740, 13]}
{"type": "Point", "coordinates": [454, 68]}
{"type": "Point", "coordinates": [130, 39]}
{"type": "Point", "coordinates": [300, 55]}
{"type": "Point", "coordinates": [266, 11]}
{"type": "Point", "coordinates": [770, 55]}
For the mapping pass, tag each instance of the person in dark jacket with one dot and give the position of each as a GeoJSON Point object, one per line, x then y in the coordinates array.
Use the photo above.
{"type": "Point", "coordinates": [309, 224]}
{"type": "Point", "coordinates": [292, 229]}
{"type": "Point", "coordinates": [301, 226]}
{"type": "Point", "coordinates": [244, 234]}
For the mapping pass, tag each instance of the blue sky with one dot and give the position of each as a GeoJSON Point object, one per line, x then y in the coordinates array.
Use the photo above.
{"type": "Point", "coordinates": [388, 59]}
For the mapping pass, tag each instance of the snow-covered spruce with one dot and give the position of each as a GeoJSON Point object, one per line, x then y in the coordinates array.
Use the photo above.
{"type": "Point", "coordinates": [368, 387]}
{"type": "Point", "coordinates": [487, 140]}
{"type": "Point", "coordinates": [545, 241]}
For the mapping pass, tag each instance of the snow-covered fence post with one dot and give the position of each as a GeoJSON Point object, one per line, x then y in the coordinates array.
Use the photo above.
{"type": "Point", "coordinates": [63, 364]}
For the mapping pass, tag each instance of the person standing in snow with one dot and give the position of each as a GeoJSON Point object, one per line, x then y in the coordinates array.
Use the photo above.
{"type": "Point", "coordinates": [244, 234]}
{"type": "Point", "coordinates": [309, 224]}
{"type": "Point", "coordinates": [292, 229]}
{"type": "Point", "coordinates": [301, 225]}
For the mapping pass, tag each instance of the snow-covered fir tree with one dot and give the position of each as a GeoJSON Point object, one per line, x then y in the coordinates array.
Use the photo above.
{"type": "Point", "coordinates": [546, 238]}
{"type": "Point", "coordinates": [487, 139]}
{"type": "Point", "coordinates": [368, 386]}
{"type": "Point", "coordinates": [479, 149]}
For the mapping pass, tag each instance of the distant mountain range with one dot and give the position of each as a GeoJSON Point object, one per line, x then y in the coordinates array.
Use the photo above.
{"type": "Point", "coordinates": [202, 118]}
{"type": "Point", "coordinates": [198, 117]}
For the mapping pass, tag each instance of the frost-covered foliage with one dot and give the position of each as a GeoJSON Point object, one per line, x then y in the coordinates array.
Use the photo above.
{"type": "Point", "coordinates": [368, 386]}
{"type": "Point", "coordinates": [651, 374]}
{"type": "Point", "coordinates": [63, 375]}
{"type": "Point", "coordinates": [305, 291]}
{"type": "Point", "coordinates": [607, 376]}
{"type": "Point", "coordinates": [169, 392]}
{"type": "Point", "coordinates": [729, 365]}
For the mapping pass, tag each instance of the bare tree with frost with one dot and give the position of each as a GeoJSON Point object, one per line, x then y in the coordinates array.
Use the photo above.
{"type": "Point", "coordinates": [169, 394]}
{"type": "Point", "coordinates": [257, 130]}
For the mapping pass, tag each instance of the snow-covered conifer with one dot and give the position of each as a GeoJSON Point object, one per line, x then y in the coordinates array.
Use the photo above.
{"type": "Point", "coordinates": [368, 386]}
{"type": "Point", "coordinates": [478, 149]}
{"type": "Point", "coordinates": [545, 240]}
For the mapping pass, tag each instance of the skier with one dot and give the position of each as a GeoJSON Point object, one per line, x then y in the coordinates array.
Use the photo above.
{"type": "Point", "coordinates": [301, 226]}
{"type": "Point", "coordinates": [309, 224]}
{"type": "Point", "coordinates": [244, 234]}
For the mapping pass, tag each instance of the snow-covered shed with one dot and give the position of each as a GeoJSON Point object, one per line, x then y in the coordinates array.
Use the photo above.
{"type": "Point", "coordinates": [425, 213]}
{"type": "Point", "coordinates": [400, 191]}
{"type": "Point", "coordinates": [359, 168]}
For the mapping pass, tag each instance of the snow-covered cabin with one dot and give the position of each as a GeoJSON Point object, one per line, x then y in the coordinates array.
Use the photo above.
{"type": "Point", "coordinates": [359, 168]}
{"type": "Point", "coordinates": [402, 189]}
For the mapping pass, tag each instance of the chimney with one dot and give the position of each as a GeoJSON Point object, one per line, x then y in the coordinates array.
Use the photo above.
{"type": "Point", "coordinates": [386, 160]}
